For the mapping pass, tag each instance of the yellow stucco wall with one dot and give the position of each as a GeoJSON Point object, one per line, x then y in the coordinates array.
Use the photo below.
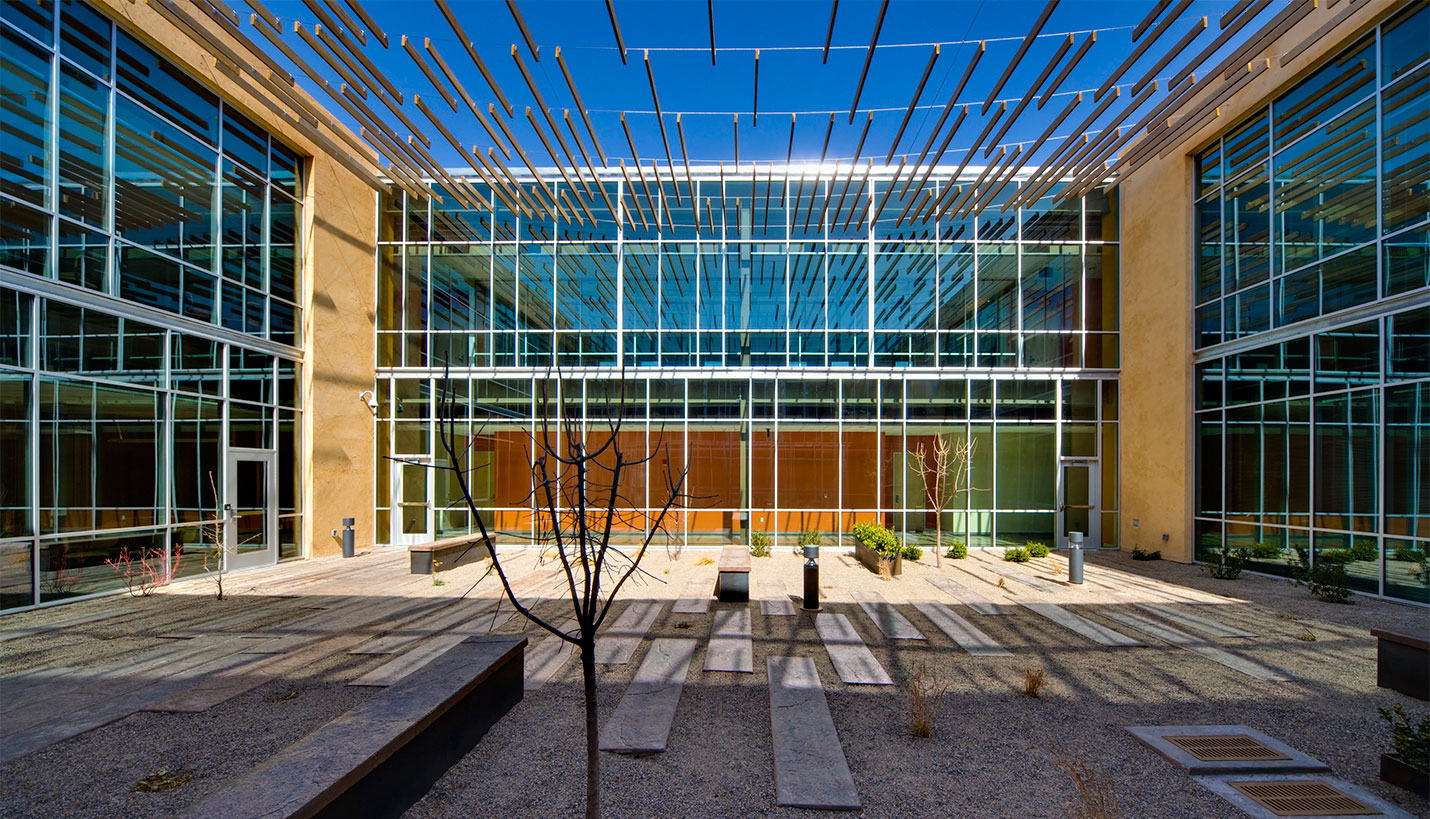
{"type": "Point", "coordinates": [1158, 450]}
{"type": "Point", "coordinates": [338, 248]}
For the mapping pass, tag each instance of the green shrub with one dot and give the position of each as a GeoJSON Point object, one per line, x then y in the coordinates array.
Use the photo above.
{"type": "Point", "coordinates": [912, 552]}
{"type": "Point", "coordinates": [1036, 548]}
{"type": "Point", "coordinates": [1408, 554]}
{"type": "Point", "coordinates": [1327, 581]}
{"type": "Point", "coordinates": [759, 544]}
{"type": "Point", "coordinates": [1138, 554]}
{"type": "Point", "coordinates": [810, 538]}
{"type": "Point", "coordinates": [1229, 562]}
{"type": "Point", "coordinates": [1264, 551]}
{"type": "Point", "coordinates": [1016, 555]}
{"type": "Point", "coordinates": [1411, 741]}
{"type": "Point", "coordinates": [878, 538]}
{"type": "Point", "coordinates": [957, 550]}
{"type": "Point", "coordinates": [1365, 550]}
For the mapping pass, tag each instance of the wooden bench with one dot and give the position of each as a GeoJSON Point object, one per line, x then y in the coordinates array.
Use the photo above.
{"type": "Point", "coordinates": [381, 757]}
{"type": "Point", "coordinates": [732, 584]}
{"type": "Point", "coordinates": [1402, 663]}
{"type": "Point", "coordinates": [449, 553]}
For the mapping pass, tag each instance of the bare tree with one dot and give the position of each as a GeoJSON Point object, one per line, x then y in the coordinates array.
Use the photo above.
{"type": "Point", "coordinates": [578, 472]}
{"type": "Point", "coordinates": [945, 471]}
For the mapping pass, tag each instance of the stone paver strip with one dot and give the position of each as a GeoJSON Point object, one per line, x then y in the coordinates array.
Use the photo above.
{"type": "Point", "coordinates": [695, 597]}
{"type": "Point", "coordinates": [969, 597]}
{"type": "Point", "coordinates": [424, 626]}
{"type": "Point", "coordinates": [547, 657]}
{"type": "Point", "coordinates": [852, 659]}
{"type": "Point", "coordinates": [1093, 631]}
{"type": "Point", "coordinates": [228, 622]}
{"type": "Point", "coordinates": [961, 631]}
{"type": "Point", "coordinates": [810, 768]}
{"type": "Point", "coordinates": [1197, 645]}
{"type": "Point", "coordinates": [774, 600]}
{"type": "Point", "coordinates": [409, 661]}
{"type": "Point", "coordinates": [1016, 571]}
{"type": "Point", "coordinates": [641, 722]}
{"type": "Point", "coordinates": [894, 625]}
{"type": "Point", "coordinates": [1209, 627]}
{"type": "Point", "coordinates": [731, 644]}
{"type": "Point", "coordinates": [619, 640]}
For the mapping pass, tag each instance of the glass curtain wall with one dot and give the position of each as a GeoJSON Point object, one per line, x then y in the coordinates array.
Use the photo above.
{"type": "Point", "coordinates": [1314, 216]}
{"type": "Point", "coordinates": [786, 339]}
{"type": "Point", "coordinates": [128, 191]}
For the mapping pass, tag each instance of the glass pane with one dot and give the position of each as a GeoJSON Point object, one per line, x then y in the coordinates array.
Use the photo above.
{"type": "Point", "coordinates": [35, 19]}
{"type": "Point", "coordinates": [85, 37]}
{"type": "Point", "coordinates": [24, 118]}
{"type": "Point", "coordinates": [1325, 190]}
{"type": "Point", "coordinates": [1339, 84]}
{"type": "Point", "coordinates": [162, 86]}
{"type": "Point", "coordinates": [1405, 41]}
{"type": "Point", "coordinates": [84, 173]}
{"type": "Point", "coordinates": [1407, 262]}
{"type": "Point", "coordinates": [250, 509]}
{"type": "Point", "coordinates": [1405, 151]}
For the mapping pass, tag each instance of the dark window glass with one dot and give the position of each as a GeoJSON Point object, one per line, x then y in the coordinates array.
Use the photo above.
{"type": "Point", "coordinates": [1336, 86]}
{"type": "Point", "coordinates": [997, 287]}
{"type": "Point", "coordinates": [461, 293]}
{"type": "Point", "coordinates": [1052, 287]}
{"type": "Point", "coordinates": [250, 375]}
{"type": "Point", "coordinates": [164, 186]}
{"type": "Point", "coordinates": [1046, 221]}
{"type": "Point", "coordinates": [241, 226]}
{"type": "Point", "coordinates": [197, 365]}
{"type": "Point", "coordinates": [1405, 151]}
{"type": "Point", "coordinates": [285, 168]}
{"type": "Point", "coordinates": [165, 87]}
{"type": "Point", "coordinates": [1209, 248]}
{"type": "Point", "coordinates": [24, 238]}
{"type": "Point", "coordinates": [1405, 41]}
{"type": "Point", "coordinates": [24, 118]}
{"type": "Point", "coordinates": [83, 170]}
{"type": "Point", "coordinates": [36, 19]}
{"type": "Point", "coordinates": [1325, 190]}
{"type": "Point", "coordinates": [284, 216]}
{"type": "Point", "coordinates": [1208, 170]}
{"type": "Point", "coordinates": [1410, 347]}
{"type": "Point", "coordinates": [1348, 357]}
{"type": "Point", "coordinates": [85, 37]}
{"type": "Point", "coordinates": [245, 142]}
{"type": "Point", "coordinates": [1247, 232]}
{"type": "Point", "coordinates": [1246, 146]}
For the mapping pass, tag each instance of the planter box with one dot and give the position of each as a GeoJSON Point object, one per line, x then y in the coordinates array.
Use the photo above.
{"type": "Point", "coordinates": [1395, 771]}
{"type": "Point", "coordinates": [875, 561]}
{"type": "Point", "coordinates": [1402, 663]}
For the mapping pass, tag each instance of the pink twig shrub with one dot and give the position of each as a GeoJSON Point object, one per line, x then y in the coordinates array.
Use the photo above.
{"type": "Point", "coordinates": [146, 573]}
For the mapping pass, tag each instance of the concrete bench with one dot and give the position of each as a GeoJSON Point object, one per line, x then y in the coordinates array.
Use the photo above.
{"type": "Point", "coordinates": [449, 553]}
{"type": "Point", "coordinates": [732, 583]}
{"type": "Point", "coordinates": [1402, 663]}
{"type": "Point", "coordinates": [381, 757]}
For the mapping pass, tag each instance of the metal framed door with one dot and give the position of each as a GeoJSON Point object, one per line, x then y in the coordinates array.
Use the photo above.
{"type": "Point", "coordinates": [411, 501]}
{"type": "Point", "coordinates": [251, 508]}
{"type": "Point", "coordinates": [1080, 501]}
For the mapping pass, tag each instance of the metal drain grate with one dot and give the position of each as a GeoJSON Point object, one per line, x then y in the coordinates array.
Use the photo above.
{"type": "Point", "coordinates": [1304, 797]}
{"type": "Point", "coordinates": [1227, 748]}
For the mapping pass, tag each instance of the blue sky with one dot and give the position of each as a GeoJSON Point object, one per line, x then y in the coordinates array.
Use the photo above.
{"type": "Point", "coordinates": [792, 74]}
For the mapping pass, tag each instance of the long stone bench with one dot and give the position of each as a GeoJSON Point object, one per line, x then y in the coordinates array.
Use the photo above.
{"type": "Point", "coordinates": [381, 757]}
{"type": "Point", "coordinates": [732, 583]}
{"type": "Point", "coordinates": [450, 553]}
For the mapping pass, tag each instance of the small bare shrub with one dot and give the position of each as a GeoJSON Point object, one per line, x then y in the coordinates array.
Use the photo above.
{"type": "Point", "coordinates": [1033, 682]}
{"type": "Point", "coordinates": [161, 780]}
{"type": "Point", "coordinates": [1096, 794]}
{"type": "Point", "coordinates": [926, 690]}
{"type": "Point", "coordinates": [1002, 584]}
{"type": "Point", "coordinates": [704, 561]}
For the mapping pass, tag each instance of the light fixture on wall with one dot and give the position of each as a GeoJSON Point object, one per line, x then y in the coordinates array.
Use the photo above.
{"type": "Point", "coordinates": [370, 398]}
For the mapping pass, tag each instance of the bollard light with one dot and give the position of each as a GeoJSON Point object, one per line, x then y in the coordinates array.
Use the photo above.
{"type": "Point", "coordinates": [1075, 557]}
{"type": "Point", "coordinates": [811, 577]}
{"type": "Point", "coordinates": [348, 536]}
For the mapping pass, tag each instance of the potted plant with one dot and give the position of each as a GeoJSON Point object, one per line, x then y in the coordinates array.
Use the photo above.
{"type": "Point", "coordinates": [1409, 766]}
{"type": "Point", "coordinates": [877, 548]}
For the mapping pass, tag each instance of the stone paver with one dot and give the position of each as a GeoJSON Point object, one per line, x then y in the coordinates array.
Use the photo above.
{"type": "Point", "coordinates": [894, 625]}
{"type": "Point", "coordinates": [619, 640]}
{"type": "Point", "coordinates": [969, 597]}
{"type": "Point", "coordinates": [1211, 628]}
{"type": "Point", "coordinates": [1096, 632]}
{"type": "Point", "coordinates": [641, 722]}
{"type": "Point", "coordinates": [409, 661]}
{"type": "Point", "coordinates": [695, 596]}
{"type": "Point", "coordinates": [547, 656]}
{"type": "Point", "coordinates": [961, 631]}
{"type": "Point", "coordinates": [1198, 645]}
{"type": "Point", "coordinates": [810, 768]}
{"type": "Point", "coordinates": [731, 645]}
{"type": "Point", "coordinates": [774, 600]}
{"type": "Point", "coordinates": [852, 659]}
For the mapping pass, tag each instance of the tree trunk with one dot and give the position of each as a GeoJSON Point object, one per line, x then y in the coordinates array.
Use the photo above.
{"type": "Point", "coordinates": [593, 745]}
{"type": "Point", "coordinates": [938, 539]}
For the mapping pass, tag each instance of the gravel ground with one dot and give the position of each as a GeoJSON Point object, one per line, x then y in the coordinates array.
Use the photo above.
{"type": "Point", "coordinates": [995, 753]}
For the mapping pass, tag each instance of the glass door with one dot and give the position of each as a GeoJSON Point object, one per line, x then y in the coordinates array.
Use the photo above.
{"type": "Point", "coordinates": [251, 506]}
{"type": "Point", "coordinates": [411, 502]}
{"type": "Point", "coordinates": [1079, 507]}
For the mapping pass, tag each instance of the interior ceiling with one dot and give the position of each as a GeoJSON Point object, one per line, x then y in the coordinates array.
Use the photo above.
{"type": "Point", "coordinates": [516, 112]}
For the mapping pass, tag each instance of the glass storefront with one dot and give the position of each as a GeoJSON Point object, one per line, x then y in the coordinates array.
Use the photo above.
{"type": "Point", "coordinates": [789, 350]}
{"type": "Point", "coordinates": [1313, 269]}
{"type": "Point", "coordinates": [148, 238]}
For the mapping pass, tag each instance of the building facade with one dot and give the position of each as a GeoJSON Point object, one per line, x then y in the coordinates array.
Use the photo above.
{"type": "Point", "coordinates": [210, 305]}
